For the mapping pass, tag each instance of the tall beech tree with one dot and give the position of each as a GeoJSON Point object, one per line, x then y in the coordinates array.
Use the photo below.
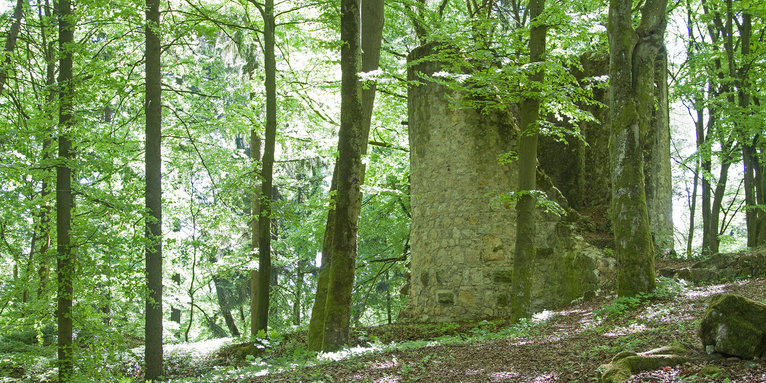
{"type": "Point", "coordinates": [153, 192]}
{"type": "Point", "coordinates": [267, 169]}
{"type": "Point", "coordinates": [632, 60]}
{"type": "Point", "coordinates": [350, 168]}
{"type": "Point", "coordinates": [371, 24]}
{"type": "Point", "coordinates": [523, 259]}
{"type": "Point", "coordinates": [66, 257]}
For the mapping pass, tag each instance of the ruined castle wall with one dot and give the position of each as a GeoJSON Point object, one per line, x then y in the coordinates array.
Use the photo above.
{"type": "Point", "coordinates": [462, 244]}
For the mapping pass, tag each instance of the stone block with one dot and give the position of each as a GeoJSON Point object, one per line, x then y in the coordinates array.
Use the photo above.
{"type": "Point", "coordinates": [445, 297]}
{"type": "Point", "coordinates": [503, 276]}
{"type": "Point", "coordinates": [734, 325]}
{"type": "Point", "coordinates": [465, 298]}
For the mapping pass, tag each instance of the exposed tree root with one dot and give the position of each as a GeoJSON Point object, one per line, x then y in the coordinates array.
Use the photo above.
{"type": "Point", "coordinates": [624, 364]}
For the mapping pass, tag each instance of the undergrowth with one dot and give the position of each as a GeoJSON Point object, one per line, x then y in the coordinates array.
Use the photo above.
{"type": "Point", "coordinates": [666, 289]}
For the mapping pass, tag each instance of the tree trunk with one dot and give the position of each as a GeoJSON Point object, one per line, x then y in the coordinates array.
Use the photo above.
{"type": "Point", "coordinates": [524, 257]}
{"type": "Point", "coordinates": [350, 143]}
{"type": "Point", "coordinates": [632, 101]}
{"type": "Point", "coordinates": [372, 32]}
{"type": "Point", "coordinates": [267, 172]}
{"type": "Point", "coordinates": [707, 167]}
{"type": "Point", "coordinates": [755, 216]}
{"type": "Point", "coordinates": [153, 160]}
{"type": "Point", "coordinates": [298, 294]}
{"type": "Point", "coordinates": [221, 286]}
{"type": "Point", "coordinates": [64, 200]}
{"type": "Point", "coordinates": [715, 212]}
{"type": "Point", "coordinates": [10, 42]}
{"type": "Point", "coordinates": [255, 216]}
{"type": "Point", "coordinates": [316, 323]}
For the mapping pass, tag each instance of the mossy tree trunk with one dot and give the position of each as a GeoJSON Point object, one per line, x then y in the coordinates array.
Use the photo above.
{"type": "Point", "coordinates": [350, 142]}
{"type": "Point", "coordinates": [371, 24]}
{"type": "Point", "coordinates": [632, 101]}
{"type": "Point", "coordinates": [523, 259]}
{"type": "Point", "coordinates": [64, 199]}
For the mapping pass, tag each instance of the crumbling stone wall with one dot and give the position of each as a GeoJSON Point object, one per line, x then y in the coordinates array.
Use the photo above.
{"type": "Point", "coordinates": [462, 244]}
{"type": "Point", "coordinates": [582, 171]}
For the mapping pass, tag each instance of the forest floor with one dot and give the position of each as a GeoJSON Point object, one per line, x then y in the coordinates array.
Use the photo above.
{"type": "Point", "coordinates": [566, 345]}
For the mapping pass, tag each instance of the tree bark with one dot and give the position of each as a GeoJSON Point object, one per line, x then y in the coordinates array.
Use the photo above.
{"type": "Point", "coordinates": [372, 31]}
{"type": "Point", "coordinates": [631, 92]}
{"type": "Point", "coordinates": [316, 323]}
{"type": "Point", "coordinates": [350, 142]}
{"type": "Point", "coordinates": [523, 259]}
{"type": "Point", "coordinates": [153, 161]}
{"type": "Point", "coordinates": [66, 258]}
{"type": "Point", "coordinates": [267, 172]}
{"type": "Point", "coordinates": [255, 217]}
{"type": "Point", "coordinates": [10, 42]}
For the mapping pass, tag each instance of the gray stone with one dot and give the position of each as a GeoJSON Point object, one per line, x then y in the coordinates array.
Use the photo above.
{"type": "Point", "coordinates": [463, 240]}
{"type": "Point", "coordinates": [734, 325]}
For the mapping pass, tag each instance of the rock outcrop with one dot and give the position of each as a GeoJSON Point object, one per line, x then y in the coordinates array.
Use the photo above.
{"type": "Point", "coordinates": [723, 267]}
{"type": "Point", "coordinates": [734, 325]}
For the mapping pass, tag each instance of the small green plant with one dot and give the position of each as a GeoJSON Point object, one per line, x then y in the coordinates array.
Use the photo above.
{"type": "Point", "coordinates": [666, 288]}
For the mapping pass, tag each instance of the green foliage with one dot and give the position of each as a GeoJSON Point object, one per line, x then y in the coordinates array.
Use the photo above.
{"type": "Point", "coordinates": [542, 201]}
{"type": "Point", "coordinates": [666, 288]}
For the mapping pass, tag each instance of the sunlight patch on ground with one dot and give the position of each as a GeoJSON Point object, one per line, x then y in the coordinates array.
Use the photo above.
{"type": "Point", "coordinates": [543, 316]}
{"type": "Point", "coordinates": [667, 313]}
{"type": "Point", "coordinates": [384, 365]}
{"type": "Point", "coordinates": [387, 379]}
{"type": "Point", "coordinates": [349, 352]}
{"type": "Point", "coordinates": [203, 348]}
{"type": "Point", "coordinates": [194, 349]}
{"type": "Point", "coordinates": [622, 331]}
{"type": "Point", "coordinates": [502, 376]}
{"type": "Point", "coordinates": [473, 372]}
{"type": "Point", "coordinates": [545, 378]}
{"type": "Point", "coordinates": [705, 292]}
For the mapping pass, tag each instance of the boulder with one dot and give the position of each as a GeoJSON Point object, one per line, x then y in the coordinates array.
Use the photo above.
{"type": "Point", "coordinates": [734, 325]}
{"type": "Point", "coordinates": [624, 364]}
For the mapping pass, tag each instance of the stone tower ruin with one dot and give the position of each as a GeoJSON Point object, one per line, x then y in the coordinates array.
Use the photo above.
{"type": "Point", "coordinates": [462, 243]}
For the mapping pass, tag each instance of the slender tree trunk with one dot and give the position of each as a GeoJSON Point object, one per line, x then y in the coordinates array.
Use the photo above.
{"type": "Point", "coordinates": [388, 300]}
{"type": "Point", "coordinates": [264, 225]}
{"type": "Point", "coordinates": [66, 258]}
{"type": "Point", "coordinates": [350, 142]}
{"type": "Point", "coordinates": [10, 42]}
{"type": "Point", "coordinates": [755, 216]}
{"type": "Point", "coordinates": [298, 294]}
{"type": "Point", "coordinates": [255, 214]}
{"type": "Point", "coordinates": [632, 101]}
{"type": "Point", "coordinates": [225, 304]}
{"type": "Point", "coordinates": [707, 167]}
{"type": "Point", "coordinates": [316, 323]}
{"type": "Point", "coordinates": [372, 22]}
{"type": "Point", "coordinates": [153, 160]}
{"type": "Point", "coordinates": [524, 257]}
{"type": "Point", "coordinates": [715, 212]}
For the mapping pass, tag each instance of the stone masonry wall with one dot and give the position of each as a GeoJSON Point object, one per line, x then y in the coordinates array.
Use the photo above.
{"type": "Point", "coordinates": [462, 244]}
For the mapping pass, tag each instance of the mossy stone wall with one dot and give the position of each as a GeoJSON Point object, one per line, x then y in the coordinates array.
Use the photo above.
{"type": "Point", "coordinates": [462, 244]}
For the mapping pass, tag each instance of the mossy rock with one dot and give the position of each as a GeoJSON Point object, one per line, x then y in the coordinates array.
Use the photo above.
{"type": "Point", "coordinates": [735, 325]}
{"type": "Point", "coordinates": [624, 364]}
{"type": "Point", "coordinates": [240, 351]}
